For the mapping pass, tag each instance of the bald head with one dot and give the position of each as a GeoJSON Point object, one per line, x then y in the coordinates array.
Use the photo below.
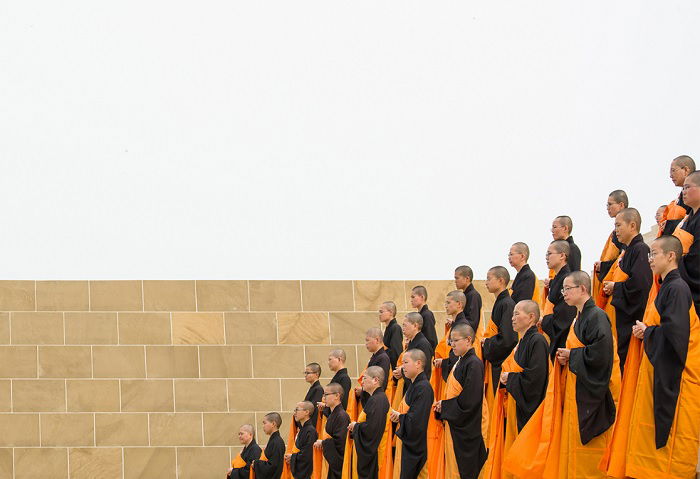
{"type": "Point", "coordinates": [529, 306]}
{"type": "Point", "coordinates": [249, 429]}
{"type": "Point", "coordinates": [619, 196]}
{"type": "Point", "coordinates": [416, 319]}
{"type": "Point", "coordinates": [340, 354]}
{"type": "Point", "coordinates": [685, 162]}
{"type": "Point", "coordinates": [418, 356]}
{"type": "Point", "coordinates": [462, 330]}
{"type": "Point", "coordinates": [391, 306]}
{"type": "Point", "coordinates": [562, 247]}
{"type": "Point", "coordinates": [458, 297]}
{"type": "Point", "coordinates": [375, 333]}
{"type": "Point", "coordinates": [581, 278]}
{"type": "Point", "coordinates": [465, 272]}
{"type": "Point", "coordinates": [500, 274]}
{"type": "Point", "coordinates": [566, 222]}
{"type": "Point", "coordinates": [521, 248]}
{"type": "Point", "coordinates": [670, 244]}
{"type": "Point", "coordinates": [631, 217]}
{"type": "Point", "coordinates": [376, 372]}
{"type": "Point", "coordinates": [694, 178]}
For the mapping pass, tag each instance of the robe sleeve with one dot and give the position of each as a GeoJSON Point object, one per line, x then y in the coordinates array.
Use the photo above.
{"type": "Point", "coordinates": [429, 329]}
{"type": "Point", "coordinates": [413, 423]}
{"type": "Point", "coordinates": [372, 427]}
{"type": "Point", "coordinates": [498, 347]}
{"type": "Point", "coordinates": [525, 289]}
{"type": "Point", "coordinates": [473, 311]}
{"type": "Point", "coordinates": [304, 458]}
{"type": "Point", "coordinates": [333, 446]}
{"type": "Point", "coordinates": [527, 386]}
{"type": "Point", "coordinates": [459, 409]}
{"type": "Point", "coordinates": [395, 347]}
{"type": "Point", "coordinates": [274, 452]}
{"type": "Point", "coordinates": [626, 294]}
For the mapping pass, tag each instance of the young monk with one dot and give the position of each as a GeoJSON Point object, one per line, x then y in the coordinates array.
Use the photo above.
{"type": "Point", "coordinates": [525, 283]}
{"type": "Point", "coordinates": [561, 231]}
{"type": "Point", "coordinates": [617, 201]}
{"type": "Point", "coordinates": [374, 344]}
{"type": "Point", "coordinates": [240, 466]}
{"type": "Point", "coordinates": [367, 434]}
{"type": "Point", "coordinates": [336, 363]}
{"type": "Point", "coordinates": [301, 460]}
{"type": "Point", "coordinates": [412, 418]}
{"type": "Point", "coordinates": [454, 307]}
{"type": "Point", "coordinates": [333, 445]}
{"type": "Point", "coordinates": [314, 395]}
{"type": "Point", "coordinates": [393, 340]}
{"type": "Point", "coordinates": [271, 462]}
{"type": "Point", "coordinates": [464, 277]}
{"type": "Point", "coordinates": [419, 301]}
{"type": "Point", "coordinates": [660, 437]}
{"type": "Point", "coordinates": [465, 452]}
{"type": "Point", "coordinates": [523, 384]}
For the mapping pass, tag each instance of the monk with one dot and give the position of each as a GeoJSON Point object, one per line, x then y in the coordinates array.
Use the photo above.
{"type": "Point", "coordinates": [393, 339]}
{"type": "Point", "coordinates": [314, 395]}
{"type": "Point", "coordinates": [617, 201]}
{"type": "Point", "coordinates": [454, 307]}
{"type": "Point", "coordinates": [523, 384]}
{"type": "Point", "coordinates": [333, 444]}
{"type": "Point", "coordinates": [412, 419]}
{"type": "Point", "coordinates": [419, 300]}
{"type": "Point", "coordinates": [689, 233]}
{"type": "Point", "coordinates": [525, 283]}
{"type": "Point", "coordinates": [502, 339]}
{"type": "Point", "coordinates": [665, 422]}
{"type": "Point", "coordinates": [271, 462]}
{"type": "Point", "coordinates": [336, 363]}
{"type": "Point", "coordinates": [659, 218]}
{"type": "Point", "coordinates": [368, 434]}
{"type": "Point", "coordinates": [301, 459]}
{"type": "Point", "coordinates": [677, 209]}
{"type": "Point", "coordinates": [561, 230]}
{"type": "Point", "coordinates": [629, 297]}
{"type": "Point", "coordinates": [464, 276]}
{"type": "Point", "coordinates": [558, 315]}
{"type": "Point", "coordinates": [460, 411]}
{"type": "Point", "coordinates": [412, 331]}
{"type": "Point", "coordinates": [374, 344]}
{"type": "Point", "coordinates": [240, 466]}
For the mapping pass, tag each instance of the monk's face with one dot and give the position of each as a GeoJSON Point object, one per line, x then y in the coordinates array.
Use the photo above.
{"type": "Point", "coordinates": [369, 382]}
{"type": "Point", "coordinates": [559, 231]}
{"type": "Point", "coordinates": [385, 314]}
{"type": "Point", "coordinates": [493, 284]}
{"type": "Point", "coordinates": [268, 426]}
{"type": "Point", "coordinates": [330, 398]}
{"type": "Point", "coordinates": [244, 435]}
{"type": "Point", "coordinates": [554, 259]}
{"type": "Point", "coordinates": [625, 231]}
{"type": "Point", "coordinates": [691, 194]}
{"type": "Point", "coordinates": [310, 376]}
{"type": "Point", "coordinates": [572, 294]}
{"type": "Point", "coordinates": [678, 174]}
{"type": "Point", "coordinates": [461, 282]}
{"type": "Point", "coordinates": [660, 215]}
{"type": "Point", "coordinates": [411, 368]}
{"type": "Point", "coordinates": [515, 258]}
{"type": "Point", "coordinates": [334, 363]}
{"type": "Point", "coordinates": [658, 260]}
{"type": "Point", "coordinates": [301, 414]}
{"type": "Point", "coordinates": [372, 344]}
{"type": "Point", "coordinates": [452, 307]}
{"type": "Point", "coordinates": [460, 345]}
{"type": "Point", "coordinates": [409, 329]}
{"type": "Point", "coordinates": [521, 320]}
{"type": "Point", "coordinates": [417, 301]}
{"type": "Point", "coordinates": [613, 207]}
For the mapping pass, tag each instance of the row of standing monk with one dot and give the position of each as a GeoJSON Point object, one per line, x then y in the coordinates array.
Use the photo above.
{"type": "Point", "coordinates": [590, 376]}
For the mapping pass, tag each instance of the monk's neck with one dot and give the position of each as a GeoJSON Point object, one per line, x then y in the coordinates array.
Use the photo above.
{"type": "Point", "coordinates": [556, 269]}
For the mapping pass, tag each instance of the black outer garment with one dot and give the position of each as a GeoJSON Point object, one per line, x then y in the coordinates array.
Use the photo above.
{"type": "Point", "coordinates": [429, 326]}
{"type": "Point", "coordinates": [413, 427]}
{"type": "Point", "coordinates": [419, 341]}
{"type": "Point", "coordinates": [463, 414]}
{"type": "Point", "coordinates": [666, 346]}
{"type": "Point", "coordinates": [313, 395]}
{"type": "Point", "coordinates": [592, 365]}
{"type": "Point", "coordinates": [302, 463]}
{"type": "Point", "coordinates": [367, 435]}
{"type": "Point", "coordinates": [574, 259]}
{"type": "Point", "coordinates": [523, 286]}
{"type": "Point", "coordinates": [341, 377]}
{"type": "Point", "coordinates": [690, 265]}
{"type": "Point", "coordinates": [472, 310]}
{"type": "Point", "coordinates": [249, 454]}
{"type": "Point", "coordinates": [670, 225]}
{"type": "Point", "coordinates": [381, 359]}
{"type": "Point", "coordinates": [393, 341]}
{"type": "Point", "coordinates": [630, 297]}
{"type": "Point", "coordinates": [274, 452]}
{"type": "Point", "coordinates": [334, 446]}
{"type": "Point", "coordinates": [557, 324]}
{"type": "Point", "coordinates": [451, 359]}
{"type": "Point", "coordinates": [529, 386]}
{"type": "Point", "coordinates": [606, 265]}
{"type": "Point", "coordinates": [498, 347]}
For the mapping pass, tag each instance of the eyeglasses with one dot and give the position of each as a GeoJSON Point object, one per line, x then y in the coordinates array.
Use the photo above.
{"type": "Point", "coordinates": [450, 341]}
{"type": "Point", "coordinates": [306, 373]}
{"type": "Point", "coordinates": [548, 254]}
{"type": "Point", "coordinates": [329, 394]}
{"type": "Point", "coordinates": [566, 289]}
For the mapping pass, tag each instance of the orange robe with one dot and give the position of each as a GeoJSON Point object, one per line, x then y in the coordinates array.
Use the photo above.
{"type": "Point", "coordinates": [610, 253]}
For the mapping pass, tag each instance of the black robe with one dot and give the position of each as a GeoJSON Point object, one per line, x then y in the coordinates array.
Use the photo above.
{"type": "Point", "coordinates": [429, 326]}
{"type": "Point", "coordinates": [557, 324]}
{"type": "Point", "coordinates": [574, 259]}
{"type": "Point", "coordinates": [463, 414]}
{"type": "Point", "coordinates": [666, 346]}
{"type": "Point", "coordinates": [529, 386]}
{"type": "Point", "coordinates": [334, 446]}
{"type": "Point", "coordinates": [341, 377]}
{"type": "Point", "coordinates": [451, 359]}
{"type": "Point", "coordinates": [670, 225]}
{"type": "Point", "coordinates": [523, 286]}
{"type": "Point", "coordinates": [367, 435]}
{"type": "Point", "coordinates": [497, 348]}
{"type": "Point", "coordinates": [381, 359]}
{"type": "Point", "coordinates": [472, 311]}
{"type": "Point", "coordinates": [302, 463]}
{"type": "Point", "coordinates": [630, 297]}
{"type": "Point", "coordinates": [413, 427]}
{"type": "Point", "coordinates": [419, 341]}
{"type": "Point", "coordinates": [249, 454]}
{"type": "Point", "coordinates": [606, 265]}
{"type": "Point", "coordinates": [393, 341]}
{"type": "Point", "coordinates": [592, 365]}
{"type": "Point", "coordinates": [313, 395]}
{"type": "Point", "coordinates": [274, 452]}
{"type": "Point", "coordinates": [690, 265]}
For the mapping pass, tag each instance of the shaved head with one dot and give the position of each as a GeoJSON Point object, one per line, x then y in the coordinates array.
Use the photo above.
{"type": "Point", "coordinates": [465, 272]}
{"type": "Point", "coordinates": [529, 306]}
{"type": "Point", "coordinates": [415, 318]}
{"type": "Point", "coordinates": [307, 406]}
{"type": "Point", "coordinates": [391, 306]}
{"type": "Point", "coordinates": [499, 272]}
{"type": "Point", "coordinates": [417, 355]}
{"type": "Point", "coordinates": [249, 429]}
{"type": "Point", "coordinates": [463, 331]}
{"type": "Point", "coordinates": [340, 354]}
{"type": "Point", "coordinates": [314, 368]}
{"type": "Point", "coordinates": [631, 215]}
{"type": "Point", "coordinates": [458, 297]}
{"type": "Point", "coordinates": [274, 418]}
{"type": "Point", "coordinates": [670, 244]}
{"type": "Point", "coordinates": [561, 246]}
{"type": "Point", "coordinates": [334, 388]}
{"type": "Point", "coordinates": [420, 291]}
{"type": "Point", "coordinates": [694, 178]}
{"type": "Point", "coordinates": [566, 222]}
{"type": "Point", "coordinates": [684, 161]}
{"type": "Point", "coordinates": [375, 333]}
{"type": "Point", "coordinates": [619, 196]}
{"type": "Point", "coordinates": [375, 372]}
{"type": "Point", "coordinates": [522, 248]}
{"type": "Point", "coordinates": [581, 278]}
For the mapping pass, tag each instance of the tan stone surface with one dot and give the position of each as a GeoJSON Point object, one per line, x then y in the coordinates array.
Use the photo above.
{"type": "Point", "coordinates": [370, 294]}
{"type": "Point", "coordinates": [200, 462]}
{"type": "Point", "coordinates": [64, 362]}
{"type": "Point", "coordinates": [144, 328]}
{"type": "Point", "coordinates": [172, 361]}
{"type": "Point", "coordinates": [350, 328]}
{"type": "Point", "coordinates": [18, 361]}
{"type": "Point", "coordinates": [278, 361]}
{"type": "Point", "coordinates": [91, 463]}
{"type": "Point", "coordinates": [198, 328]}
{"type": "Point", "coordinates": [32, 463]}
{"type": "Point", "coordinates": [39, 395]}
{"type": "Point", "coordinates": [88, 395]}
{"type": "Point", "coordinates": [19, 430]}
{"type": "Point", "coordinates": [118, 362]}
{"type": "Point", "coordinates": [4, 328]}
{"type": "Point", "coordinates": [197, 395]}
{"type": "Point", "coordinates": [251, 328]}
{"type": "Point", "coordinates": [222, 295]}
{"type": "Point", "coordinates": [169, 296]}
{"type": "Point", "coordinates": [327, 295]}
{"type": "Point", "coordinates": [62, 296]}
{"type": "Point", "coordinates": [62, 430]}
{"type": "Point", "coordinates": [121, 429]}
{"type": "Point", "coordinates": [221, 429]}
{"type": "Point", "coordinates": [150, 395]}
{"type": "Point", "coordinates": [176, 429]}
{"type": "Point", "coordinates": [225, 361]}
{"type": "Point", "coordinates": [17, 296]}
{"type": "Point", "coordinates": [293, 391]}
{"type": "Point", "coordinates": [319, 354]}
{"type": "Point", "coordinates": [303, 328]}
{"type": "Point", "coordinates": [6, 466]}
{"type": "Point", "coordinates": [149, 463]}
{"type": "Point", "coordinates": [5, 396]}
{"type": "Point", "coordinates": [116, 296]}
{"type": "Point", "coordinates": [36, 328]}
{"type": "Point", "coordinates": [275, 295]}
{"type": "Point", "coordinates": [91, 328]}
{"type": "Point", "coordinates": [253, 395]}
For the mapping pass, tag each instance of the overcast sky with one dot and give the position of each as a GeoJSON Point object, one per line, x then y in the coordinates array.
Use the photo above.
{"type": "Point", "coordinates": [331, 140]}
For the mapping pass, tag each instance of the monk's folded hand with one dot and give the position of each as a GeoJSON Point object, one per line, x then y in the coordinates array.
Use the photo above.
{"type": "Point", "coordinates": [318, 444]}
{"type": "Point", "coordinates": [437, 362]}
{"type": "Point", "coordinates": [394, 415]}
{"type": "Point", "coordinates": [351, 426]}
{"type": "Point", "coordinates": [638, 330]}
{"type": "Point", "coordinates": [397, 373]}
{"type": "Point", "coordinates": [504, 377]}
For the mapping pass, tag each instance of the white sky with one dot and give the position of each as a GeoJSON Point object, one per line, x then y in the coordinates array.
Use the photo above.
{"type": "Point", "coordinates": [331, 140]}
